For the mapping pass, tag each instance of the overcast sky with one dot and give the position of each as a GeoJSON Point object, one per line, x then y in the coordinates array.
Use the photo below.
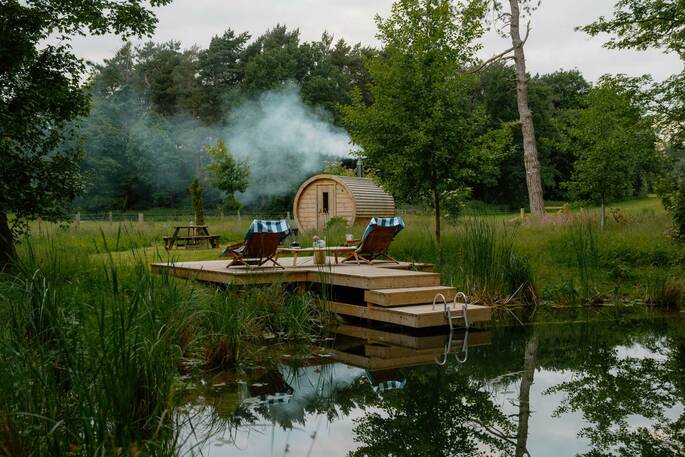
{"type": "Point", "coordinates": [553, 44]}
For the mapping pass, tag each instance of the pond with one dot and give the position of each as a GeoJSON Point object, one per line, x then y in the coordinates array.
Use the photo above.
{"type": "Point", "coordinates": [604, 388]}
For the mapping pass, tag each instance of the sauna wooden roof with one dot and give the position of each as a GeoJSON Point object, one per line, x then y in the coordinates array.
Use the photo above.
{"type": "Point", "coordinates": [370, 199]}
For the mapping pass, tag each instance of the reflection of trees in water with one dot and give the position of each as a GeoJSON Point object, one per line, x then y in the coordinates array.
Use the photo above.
{"type": "Point", "coordinates": [610, 391]}
{"type": "Point", "coordinates": [529, 364]}
{"type": "Point", "coordinates": [440, 412]}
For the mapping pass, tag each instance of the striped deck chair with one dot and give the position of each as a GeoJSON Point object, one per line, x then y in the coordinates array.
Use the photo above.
{"type": "Point", "coordinates": [376, 239]}
{"type": "Point", "coordinates": [260, 244]}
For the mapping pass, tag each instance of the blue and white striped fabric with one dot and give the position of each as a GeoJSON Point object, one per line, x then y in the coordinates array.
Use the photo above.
{"type": "Point", "coordinates": [389, 385]}
{"type": "Point", "coordinates": [396, 222]}
{"type": "Point", "coordinates": [261, 226]}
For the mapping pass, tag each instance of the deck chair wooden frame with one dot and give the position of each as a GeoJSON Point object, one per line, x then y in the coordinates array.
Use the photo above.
{"type": "Point", "coordinates": [374, 246]}
{"type": "Point", "coordinates": [258, 249]}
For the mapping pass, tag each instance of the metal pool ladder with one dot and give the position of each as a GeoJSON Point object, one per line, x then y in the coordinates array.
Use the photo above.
{"type": "Point", "coordinates": [448, 311]}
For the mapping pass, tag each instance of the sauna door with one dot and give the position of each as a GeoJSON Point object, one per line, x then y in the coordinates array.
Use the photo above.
{"type": "Point", "coordinates": [325, 204]}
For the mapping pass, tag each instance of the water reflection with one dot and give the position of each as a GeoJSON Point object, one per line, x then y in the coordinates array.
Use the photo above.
{"type": "Point", "coordinates": [588, 389]}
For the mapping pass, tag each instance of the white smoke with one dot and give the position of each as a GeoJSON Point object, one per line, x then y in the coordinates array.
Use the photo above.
{"type": "Point", "coordinates": [284, 141]}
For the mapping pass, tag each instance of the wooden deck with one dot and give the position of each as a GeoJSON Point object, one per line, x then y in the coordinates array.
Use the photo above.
{"type": "Point", "coordinates": [395, 293]}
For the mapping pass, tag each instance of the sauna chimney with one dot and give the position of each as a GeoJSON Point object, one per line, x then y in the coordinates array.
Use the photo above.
{"type": "Point", "coordinates": [359, 168]}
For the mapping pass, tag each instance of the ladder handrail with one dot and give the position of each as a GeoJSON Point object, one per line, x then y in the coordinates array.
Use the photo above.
{"type": "Point", "coordinates": [464, 307]}
{"type": "Point", "coordinates": [447, 311]}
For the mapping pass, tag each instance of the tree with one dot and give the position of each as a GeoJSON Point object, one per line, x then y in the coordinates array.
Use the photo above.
{"type": "Point", "coordinates": [226, 173]}
{"type": "Point", "coordinates": [196, 198]}
{"type": "Point", "coordinates": [530, 151]}
{"type": "Point", "coordinates": [643, 24]}
{"type": "Point", "coordinates": [613, 143]}
{"type": "Point", "coordinates": [221, 70]}
{"type": "Point", "coordinates": [272, 59]}
{"type": "Point", "coordinates": [552, 97]}
{"type": "Point", "coordinates": [418, 131]}
{"type": "Point", "coordinates": [40, 94]}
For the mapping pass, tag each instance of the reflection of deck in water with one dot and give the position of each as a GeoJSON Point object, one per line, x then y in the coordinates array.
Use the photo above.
{"type": "Point", "coordinates": [396, 293]}
{"type": "Point", "coordinates": [364, 359]}
{"type": "Point", "coordinates": [380, 349]}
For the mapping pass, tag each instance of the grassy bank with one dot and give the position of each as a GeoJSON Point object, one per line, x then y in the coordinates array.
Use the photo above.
{"type": "Point", "coordinates": [566, 259]}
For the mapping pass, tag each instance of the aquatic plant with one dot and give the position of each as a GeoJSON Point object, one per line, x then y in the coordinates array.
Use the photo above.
{"type": "Point", "coordinates": [665, 291]}
{"type": "Point", "coordinates": [582, 239]}
{"type": "Point", "coordinates": [490, 267]}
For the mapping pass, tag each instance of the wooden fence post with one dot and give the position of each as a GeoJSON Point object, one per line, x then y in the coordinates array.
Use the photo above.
{"type": "Point", "coordinates": [523, 214]}
{"type": "Point", "coordinates": [40, 226]}
{"type": "Point", "coordinates": [109, 217]}
{"type": "Point", "coordinates": [141, 219]}
{"type": "Point", "coordinates": [288, 215]}
{"type": "Point", "coordinates": [238, 216]}
{"type": "Point", "coordinates": [77, 220]}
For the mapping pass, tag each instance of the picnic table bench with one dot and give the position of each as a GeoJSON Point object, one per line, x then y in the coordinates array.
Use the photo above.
{"type": "Point", "coordinates": [195, 236]}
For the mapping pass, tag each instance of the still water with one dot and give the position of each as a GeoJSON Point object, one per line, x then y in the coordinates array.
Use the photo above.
{"type": "Point", "coordinates": [607, 388]}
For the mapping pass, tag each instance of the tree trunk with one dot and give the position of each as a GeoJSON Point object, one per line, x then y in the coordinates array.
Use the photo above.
{"type": "Point", "coordinates": [8, 252]}
{"type": "Point", "coordinates": [530, 150]}
{"type": "Point", "coordinates": [524, 395]}
{"type": "Point", "coordinates": [436, 203]}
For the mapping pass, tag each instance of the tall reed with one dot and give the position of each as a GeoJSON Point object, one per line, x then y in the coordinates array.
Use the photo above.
{"type": "Point", "coordinates": [583, 242]}
{"type": "Point", "coordinates": [487, 263]}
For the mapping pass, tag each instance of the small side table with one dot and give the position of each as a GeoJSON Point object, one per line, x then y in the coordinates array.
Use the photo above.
{"type": "Point", "coordinates": [335, 250]}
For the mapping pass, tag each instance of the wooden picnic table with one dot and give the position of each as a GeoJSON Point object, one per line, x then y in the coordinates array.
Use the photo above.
{"type": "Point", "coordinates": [335, 250]}
{"type": "Point", "coordinates": [191, 236]}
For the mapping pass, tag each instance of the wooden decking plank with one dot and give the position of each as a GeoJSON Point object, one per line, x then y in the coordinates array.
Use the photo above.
{"type": "Point", "coordinates": [407, 295]}
{"type": "Point", "coordinates": [417, 316]}
{"type": "Point", "coordinates": [370, 277]}
{"type": "Point", "coordinates": [217, 273]}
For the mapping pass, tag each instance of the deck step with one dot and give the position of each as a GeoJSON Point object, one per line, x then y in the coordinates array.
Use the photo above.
{"type": "Point", "coordinates": [417, 316]}
{"type": "Point", "coordinates": [407, 295]}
